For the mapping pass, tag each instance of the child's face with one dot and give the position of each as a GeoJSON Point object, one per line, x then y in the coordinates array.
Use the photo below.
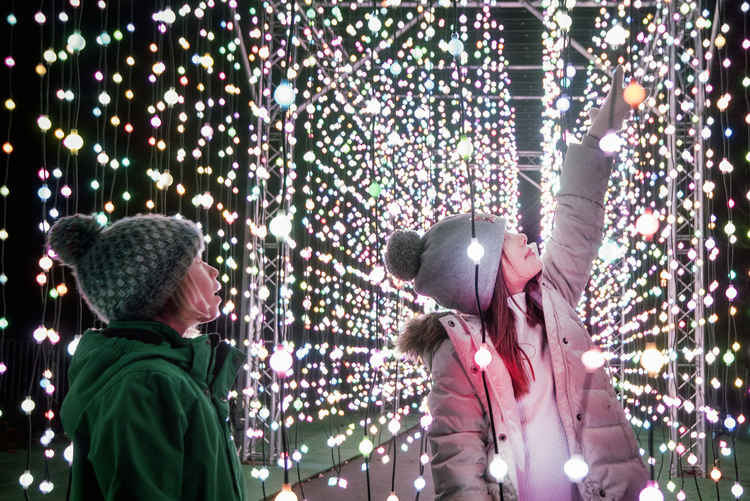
{"type": "Point", "coordinates": [519, 262]}
{"type": "Point", "coordinates": [207, 300]}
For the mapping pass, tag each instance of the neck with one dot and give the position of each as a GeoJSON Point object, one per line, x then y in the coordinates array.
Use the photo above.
{"type": "Point", "coordinates": [515, 286]}
{"type": "Point", "coordinates": [180, 325]}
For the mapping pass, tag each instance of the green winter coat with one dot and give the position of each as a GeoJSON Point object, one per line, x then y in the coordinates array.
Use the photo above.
{"type": "Point", "coordinates": [147, 412]}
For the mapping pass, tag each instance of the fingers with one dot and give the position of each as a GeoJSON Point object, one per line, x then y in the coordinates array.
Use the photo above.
{"type": "Point", "coordinates": [617, 79]}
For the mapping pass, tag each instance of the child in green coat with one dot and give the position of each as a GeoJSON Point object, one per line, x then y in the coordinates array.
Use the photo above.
{"type": "Point", "coordinates": [147, 406]}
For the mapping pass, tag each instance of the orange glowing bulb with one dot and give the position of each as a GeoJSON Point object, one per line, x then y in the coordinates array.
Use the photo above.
{"type": "Point", "coordinates": [634, 94]}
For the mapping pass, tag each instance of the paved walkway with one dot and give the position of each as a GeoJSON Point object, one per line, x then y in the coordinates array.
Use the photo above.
{"type": "Point", "coordinates": [317, 488]}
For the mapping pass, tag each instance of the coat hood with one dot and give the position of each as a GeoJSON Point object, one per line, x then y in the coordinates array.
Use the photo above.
{"type": "Point", "coordinates": [101, 354]}
{"type": "Point", "coordinates": [422, 336]}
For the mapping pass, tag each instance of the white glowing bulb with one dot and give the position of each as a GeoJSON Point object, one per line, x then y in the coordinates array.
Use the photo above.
{"type": "Point", "coordinates": [731, 292]}
{"type": "Point", "coordinates": [392, 497]}
{"type": "Point", "coordinates": [563, 103]}
{"type": "Point", "coordinates": [651, 493]}
{"type": "Point", "coordinates": [377, 274]}
{"type": "Point", "coordinates": [610, 143]}
{"type": "Point", "coordinates": [373, 106]}
{"type": "Point", "coordinates": [419, 483]}
{"type": "Point", "coordinates": [394, 426]}
{"type": "Point", "coordinates": [498, 468]}
{"type": "Point", "coordinates": [286, 494]}
{"type": "Point", "coordinates": [652, 359]}
{"type": "Point", "coordinates": [681, 496]}
{"type": "Point", "coordinates": [483, 357]}
{"type": "Point", "coordinates": [46, 486]}
{"type": "Point", "coordinates": [26, 479]}
{"type": "Point", "coordinates": [425, 421]}
{"type": "Point", "coordinates": [171, 97]}
{"type": "Point", "coordinates": [76, 42]}
{"type": "Point", "coordinates": [366, 446]}
{"type": "Point", "coordinates": [564, 21]}
{"type": "Point", "coordinates": [28, 405]}
{"type": "Point", "coordinates": [280, 226]}
{"type": "Point", "coordinates": [593, 359]}
{"type": "Point", "coordinates": [44, 123]}
{"type": "Point", "coordinates": [281, 360]}
{"type": "Point", "coordinates": [464, 147]}
{"type": "Point", "coordinates": [737, 490]}
{"type": "Point", "coordinates": [377, 358]}
{"type": "Point", "coordinates": [284, 94]}
{"type": "Point", "coordinates": [455, 47]}
{"type": "Point", "coordinates": [475, 251]}
{"type": "Point", "coordinates": [374, 24]}
{"type": "Point", "coordinates": [647, 224]}
{"type": "Point", "coordinates": [617, 35]}
{"type": "Point", "coordinates": [73, 141]}
{"type": "Point", "coordinates": [576, 468]}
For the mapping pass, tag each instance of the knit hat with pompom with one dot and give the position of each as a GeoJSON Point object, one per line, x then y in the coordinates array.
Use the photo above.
{"type": "Point", "coordinates": [439, 265]}
{"type": "Point", "coordinates": [127, 270]}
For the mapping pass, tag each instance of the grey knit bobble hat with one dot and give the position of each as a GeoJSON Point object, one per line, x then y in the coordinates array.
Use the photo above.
{"type": "Point", "coordinates": [128, 270]}
{"type": "Point", "coordinates": [439, 265]}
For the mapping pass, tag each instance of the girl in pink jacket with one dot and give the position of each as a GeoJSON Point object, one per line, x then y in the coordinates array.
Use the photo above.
{"type": "Point", "coordinates": [560, 431]}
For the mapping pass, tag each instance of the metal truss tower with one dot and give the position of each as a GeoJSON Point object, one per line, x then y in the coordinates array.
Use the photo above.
{"type": "Point", "coordinates": [685, 162]}
{"type": "Point", "coordinates": [265, 259]}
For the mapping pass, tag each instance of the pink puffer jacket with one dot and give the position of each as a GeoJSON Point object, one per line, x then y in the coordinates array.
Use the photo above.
{"type": "Point", "coordinates": [460, 435]}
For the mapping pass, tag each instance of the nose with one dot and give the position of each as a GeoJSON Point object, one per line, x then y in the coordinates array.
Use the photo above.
{"type": "Point", "coordinates": [525, 238]}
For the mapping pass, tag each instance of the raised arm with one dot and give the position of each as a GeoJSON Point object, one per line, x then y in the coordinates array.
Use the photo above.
{"type": "Point", "coordinates": [579, 217]}
{"type": "Point", "coordinates": [458, 431]}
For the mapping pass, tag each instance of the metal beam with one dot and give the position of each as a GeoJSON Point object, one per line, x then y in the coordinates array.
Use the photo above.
{"type": "Point", "coordinates": [482, 5]}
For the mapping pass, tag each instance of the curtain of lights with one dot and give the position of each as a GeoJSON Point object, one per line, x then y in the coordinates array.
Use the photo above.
{"type": "Point", "coordinates": [300, 142]}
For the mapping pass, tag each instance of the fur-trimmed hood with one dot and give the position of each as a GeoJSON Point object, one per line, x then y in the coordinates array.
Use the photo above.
{"type": "Point", "coordinates": [422, 336]}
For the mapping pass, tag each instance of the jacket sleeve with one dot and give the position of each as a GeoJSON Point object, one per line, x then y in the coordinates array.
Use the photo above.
{"type": "Point", "coordinates": [458, 431]}
{"type": "Point", "coordinates": [578, 222]}
{"type": "Point", "coordinates": [137, 440]}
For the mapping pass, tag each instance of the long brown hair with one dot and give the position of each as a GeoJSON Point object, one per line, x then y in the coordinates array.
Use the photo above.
{"type": "Point", "coordinates": [501, 328]}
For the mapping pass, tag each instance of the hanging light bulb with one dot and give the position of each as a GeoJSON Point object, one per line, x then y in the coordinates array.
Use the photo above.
{"type": "Point", "coordinates": [464, 147]}
{"type": "Point", "coordinates": [652, 359]}
{"type": "Point", "coordinates": [634, 94]}
{"type": "Point", "coordinates": [284, 94]}
{"type": "Point", "coordinates": [280, 226]}
{"type": "Point", "coordinates": [498, 468]}
{"type": "Point", "coordinates": [366, 446]}
{"type": "Point", "coordinates": [737, 490]}
{"type": "Point", "coordinates": [419, 483]}
{"type": "Point", "coordinates": [26, 479]}
{"type": "Point", "coordinates": [483, 357]}
{"type": "Point", "coordinates": [576, 468]}
{"type": "Point", "coordinates": [616, 36]}
{"type": "Point", "coordinates": [392, 497]}
{"type": "Point", "coordinates": [281, 360]}
{"type": "Point", "coordinates": [475, 251]}
{"type": "Point", "coordinates": [455, 46]}
{"type": "Point", "coordinates": [73, 142]}
{"type": "Point", "coordinates": [394, 426]}
{"type": "Point", "coordinates": [592, 359]}
{"type": "Point", "coordinates": [563, 103]}
{"type": "Point", "coordinates": [651, 493]}
{"type": "Point", "coordinates": [715, 474]}
{"type": "Point", "coordinates": [286, 494]}
{"type": "Point", "coordinates": [610, 143]}
{"type": "Point", "coordinates": [374, 24]}
{"type": "Point", "coordinates": [647, 224]}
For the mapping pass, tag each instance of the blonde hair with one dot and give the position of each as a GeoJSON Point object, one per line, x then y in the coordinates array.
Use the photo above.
{"type": "Point", "coordinates": [181, 304]}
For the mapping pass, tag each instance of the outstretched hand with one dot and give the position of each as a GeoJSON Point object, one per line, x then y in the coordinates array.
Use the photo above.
{"type": "Point", "coordinates": [614, 110]}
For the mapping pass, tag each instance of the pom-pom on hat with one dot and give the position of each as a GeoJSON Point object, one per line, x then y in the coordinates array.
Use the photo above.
{"type": "Point", "coordinates": [128, 270]}
{"type": "Point", "coordinates": [439, 265]}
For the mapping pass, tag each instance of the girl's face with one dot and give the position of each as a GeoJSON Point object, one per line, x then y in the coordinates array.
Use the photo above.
{"type": "Point", "coordinates": [519, 262]}
{"type": "Point", "coordinates": [205, 298]}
